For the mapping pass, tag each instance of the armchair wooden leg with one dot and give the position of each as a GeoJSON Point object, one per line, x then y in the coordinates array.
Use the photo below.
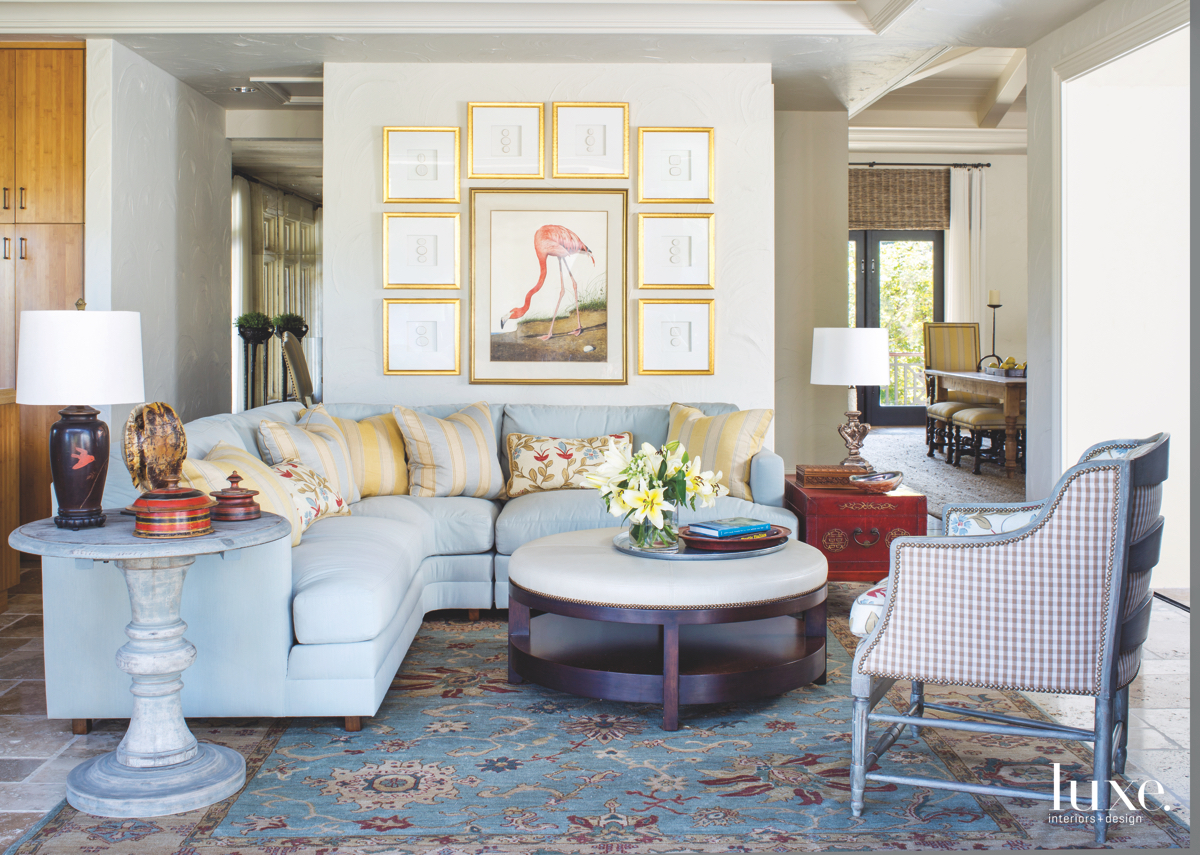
{"type": "Point", "coordinates": [1121, 713]}
{"type": "Point", "coordinates": [1102, 766]}
{"type": "Point", "coordinates": [353, 723]}
{"type": "Point", "coordinates": [472, 614]}
{"type": "Point", "coordinates": [81, 726]}
{"type": "Point", "coordinates": [858, 755]}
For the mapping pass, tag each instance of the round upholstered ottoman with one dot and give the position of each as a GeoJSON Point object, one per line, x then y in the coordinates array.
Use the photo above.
{"type": "Point", "coordinates": [587, 619]}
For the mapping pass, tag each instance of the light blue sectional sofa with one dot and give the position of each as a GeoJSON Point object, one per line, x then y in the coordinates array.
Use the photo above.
{"type": "Point", "coordinates": [321, 629]}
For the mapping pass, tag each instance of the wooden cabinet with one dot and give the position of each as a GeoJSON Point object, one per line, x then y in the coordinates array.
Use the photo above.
{"type": "Point", "coordinates": [854, 529]}
{"type": "Point", "coordinates": [48, 137]}
{"type": "Point", "coordinates": [8, 136]}
{"type": "Point", "coordinates": [47, 274]}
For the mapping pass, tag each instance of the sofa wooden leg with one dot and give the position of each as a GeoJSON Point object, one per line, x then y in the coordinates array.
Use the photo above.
{"type": "Point", "coordinates": [472, 614]}
{"type": "Point", "coordinates": [353, 723]}
{"type": "Point", "coordinates": [81, 726]}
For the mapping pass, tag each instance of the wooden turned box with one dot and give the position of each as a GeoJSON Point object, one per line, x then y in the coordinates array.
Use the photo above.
{"type": "Point", "coordinates": [854, 529]}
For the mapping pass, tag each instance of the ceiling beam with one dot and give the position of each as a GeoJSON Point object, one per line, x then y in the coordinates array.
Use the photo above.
{"type": "Point", "coordinates": [1006, 91]}
{"type": "Point", "coordinates": [930, 63]}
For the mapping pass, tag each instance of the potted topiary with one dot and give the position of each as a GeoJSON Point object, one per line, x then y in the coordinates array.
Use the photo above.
{"type": "Point", "coordinates": [254, 327]}
{"type": "Point", "coordinates": [289, 322]}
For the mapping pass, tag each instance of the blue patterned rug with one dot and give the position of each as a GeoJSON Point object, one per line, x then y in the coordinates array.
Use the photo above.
{"type": "Point", "coordinates": [459, 761]}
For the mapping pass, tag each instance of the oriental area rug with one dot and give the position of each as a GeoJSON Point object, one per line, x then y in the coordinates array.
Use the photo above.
{"type": "Point", "coordinates": [459, 761]}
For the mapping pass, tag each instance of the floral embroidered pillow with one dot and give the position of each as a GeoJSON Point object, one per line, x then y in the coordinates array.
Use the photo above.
{"type": "Point", "coordinates": [311, 493]}
{"type": "Point", "coordinates": [540, 463]}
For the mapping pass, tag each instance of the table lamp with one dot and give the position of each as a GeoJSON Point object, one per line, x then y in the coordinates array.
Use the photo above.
{"type": "Point", "coordinates": [851, 356]}
{"type": "Point", "coordinates": [79, 356]}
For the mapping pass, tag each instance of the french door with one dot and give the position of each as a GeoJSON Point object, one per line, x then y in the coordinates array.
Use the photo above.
{"type": "Point", "coordinates": [895, 281]}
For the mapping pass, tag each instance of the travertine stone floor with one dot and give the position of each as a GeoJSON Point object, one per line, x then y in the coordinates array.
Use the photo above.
{"type": "Point", "coordinates": [36, 753]}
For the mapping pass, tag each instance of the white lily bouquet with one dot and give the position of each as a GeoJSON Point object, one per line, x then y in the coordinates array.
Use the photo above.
{"type": "Point", "coordinates": [646, 488]}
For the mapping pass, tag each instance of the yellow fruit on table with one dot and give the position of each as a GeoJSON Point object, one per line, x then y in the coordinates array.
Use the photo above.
{"type": "Point", "coordinates": [993, 364]}
{"type": "Point", "coordinates": [1008, 363]}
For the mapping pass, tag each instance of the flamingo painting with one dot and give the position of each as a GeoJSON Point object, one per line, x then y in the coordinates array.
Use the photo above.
{"type": "Point", "coordinates": [561, 243]}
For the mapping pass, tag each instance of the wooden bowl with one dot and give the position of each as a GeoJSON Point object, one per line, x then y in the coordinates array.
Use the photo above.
{"type": "Point", "coordinates": [877, 482]}
{"type": "Point", "coordinates": [738, 543]}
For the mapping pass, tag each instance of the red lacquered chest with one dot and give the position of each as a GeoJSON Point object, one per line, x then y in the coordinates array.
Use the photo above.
{"type": "Point", "coordinates": [854, 529]}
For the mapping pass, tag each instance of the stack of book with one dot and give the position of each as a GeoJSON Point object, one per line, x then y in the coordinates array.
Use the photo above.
{"type": "Point", "coordinates": [729, 527]}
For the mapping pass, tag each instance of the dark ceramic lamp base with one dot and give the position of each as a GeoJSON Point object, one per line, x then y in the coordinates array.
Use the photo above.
{"type": "Point", "coordinates": [79, 465]}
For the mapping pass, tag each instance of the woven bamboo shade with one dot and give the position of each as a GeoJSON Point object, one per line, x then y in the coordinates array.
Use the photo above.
{"type": "Point", "coordinates": [899, 198]}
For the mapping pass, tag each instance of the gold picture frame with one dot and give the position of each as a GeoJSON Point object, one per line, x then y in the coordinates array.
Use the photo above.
{"type": "Point", "coordinates": [454, 240]}
{"type": "Point", "coordinates": [422, 358]}
{"type": "Point", "coordinates": [656, 276]}
{"type": "Point", "coordinates": [685, 197]}
{"type": "Point", "coordinates": [674, 350]}
{"type": "Point", "coordinates": [447, 154]}
{"type": "Point", "coordinates": [557, 155]}
{"type": "Point", "coordinates": [509, 254]}
{"type": "Point", "coordinates": [472, 106]}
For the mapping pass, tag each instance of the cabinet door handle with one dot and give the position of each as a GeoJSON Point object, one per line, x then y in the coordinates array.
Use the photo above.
{"type": "Point", "coordinates": [859, 531]}
{"type": "Point", "coordinates": [22, 249]}
{"type": "Point", "coordinates": [22, 198]}
{"type": "Point", "coordinates": [6, 198]}
{"type": "Point", "coordinates": [7, 251]}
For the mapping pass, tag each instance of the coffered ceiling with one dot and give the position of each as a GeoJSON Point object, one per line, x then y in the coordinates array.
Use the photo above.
{"type": "Point", "coordinates": [825, 54]}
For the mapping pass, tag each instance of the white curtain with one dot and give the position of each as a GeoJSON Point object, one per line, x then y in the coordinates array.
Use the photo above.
{"type": "Point", "coordinates": [242, 283]}
{"type": "Point", "coordinates": [966, 247]}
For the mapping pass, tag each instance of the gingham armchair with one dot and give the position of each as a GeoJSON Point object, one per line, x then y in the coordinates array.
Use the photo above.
{"type": "Point", "coordinates": [1043, 597]}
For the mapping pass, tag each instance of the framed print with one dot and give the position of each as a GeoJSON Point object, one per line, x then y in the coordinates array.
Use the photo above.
{"type": "Point", "coordinates": [548, 286]}
{"type": "Point", "coordinates": [420, 337]}
{"type": "Point", "coordinates": [676, 250]}
{"type": "Point", "coordinates": [591, 140]}
{"type": "Point", "coordinates": [421, 250]}
{"type": "Point", "coordinates": [675, 337]}
{"type": "Point", "coordinates": [675, 164]}
{"type": "Point", "coordinates": [420, 165]}
{"type": "Point", "coordinates": [506, 140]}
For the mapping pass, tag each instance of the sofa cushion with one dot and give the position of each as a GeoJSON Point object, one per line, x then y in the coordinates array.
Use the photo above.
{"type": "Point", "coordinates": [535, 515]}
{"type": "Point", "coordinates": [541, 463]}
{"type": "Point", "coordinates": [454, 456]}
{"type": "Point", "coordinates": [212, 473]}
{"type": "Point", "coordinates": [451, 525]}
{"type": "Point", "coordinates": [349, 576]}
{"type": "Point", "coordinates": [317, 442]}
{"type": "Point", "coordinates": [240, 429]}
{"type": "Point", "coordinates": [725, 444]}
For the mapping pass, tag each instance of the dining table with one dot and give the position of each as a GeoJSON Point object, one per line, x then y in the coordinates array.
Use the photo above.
{"type": "Point", "coordinates": [1009, 390]}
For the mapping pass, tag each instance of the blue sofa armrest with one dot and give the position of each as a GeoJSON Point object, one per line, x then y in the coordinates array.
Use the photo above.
{"type": "Point", "coordinates": [766, 478]}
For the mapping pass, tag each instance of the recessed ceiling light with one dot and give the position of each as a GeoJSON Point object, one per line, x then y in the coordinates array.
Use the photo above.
{"type": "Point", "coordinates": [243, 90]}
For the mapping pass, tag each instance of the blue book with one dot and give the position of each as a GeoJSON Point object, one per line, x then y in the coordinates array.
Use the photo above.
{"type": "Point", "coordinates": [729, 527]}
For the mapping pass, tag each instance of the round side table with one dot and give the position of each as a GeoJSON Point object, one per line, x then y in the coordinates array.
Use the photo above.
{"type": "Point", "coordinates": [159, 768]}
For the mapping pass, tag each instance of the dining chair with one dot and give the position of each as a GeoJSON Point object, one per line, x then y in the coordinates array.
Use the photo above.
{"type": "Point", "coordinates": [949, 347]}
{"type": "Point", "coordinates": [1049, 596]}
{"type": "Point", "coordinates": [297, 369]}
{"type": "Point", "coordinates": [982, 423]}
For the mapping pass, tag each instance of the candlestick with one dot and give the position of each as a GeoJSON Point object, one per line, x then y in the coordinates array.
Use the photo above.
{"type": "Point", "coordinates": [993, 298]}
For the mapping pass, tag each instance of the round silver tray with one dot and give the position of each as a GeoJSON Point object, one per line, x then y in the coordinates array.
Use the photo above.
{"type": "Point", "coordinates": [623, 544]}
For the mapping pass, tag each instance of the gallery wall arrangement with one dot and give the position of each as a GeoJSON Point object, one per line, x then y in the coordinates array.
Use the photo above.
{"type": "Point", "coordinates": [567, 244]}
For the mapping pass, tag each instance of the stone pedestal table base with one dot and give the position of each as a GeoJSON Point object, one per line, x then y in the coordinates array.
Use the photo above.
{"type": "Point", "coordinates": [159, 768]}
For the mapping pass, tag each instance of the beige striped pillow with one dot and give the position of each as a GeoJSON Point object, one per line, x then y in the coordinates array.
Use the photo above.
{"type": "Point", "coordinates": [725, 443]}
{"type": "Point", "coordinates": [376, 455]}
{"type": "Point", "coordinates": [317, 442]}
{"type": "Point", "coordinates": [455, 456]}
{"type": "Point", "coordinates": [212, 473]}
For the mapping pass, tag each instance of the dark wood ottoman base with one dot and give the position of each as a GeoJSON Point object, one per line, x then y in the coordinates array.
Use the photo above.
{"type": "Point", "coordinates": [669, 656]}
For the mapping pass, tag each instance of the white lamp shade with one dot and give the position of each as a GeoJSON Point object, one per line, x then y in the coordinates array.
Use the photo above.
{"type": "Point", "coordinates": [80, 358]}
{"type": "Point", "coordinates": [850, 356]}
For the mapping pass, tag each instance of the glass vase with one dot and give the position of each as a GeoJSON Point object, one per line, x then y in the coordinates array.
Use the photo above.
{"type": "Point", "coordinates": [666, 539]}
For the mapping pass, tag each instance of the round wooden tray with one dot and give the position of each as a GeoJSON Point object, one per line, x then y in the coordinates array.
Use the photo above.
{"type": "Point", "coordinates": [759, 540]}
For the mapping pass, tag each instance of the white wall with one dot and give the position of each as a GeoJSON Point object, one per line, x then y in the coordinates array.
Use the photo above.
{"type": "Point", "coordinates": [736, 100]}
{"type": "Point", "coordinates": [1126, 258]}
{"type": "Point", "coordinates": [811, 222]}
{"type": "Point", "coordinates": [1090, 40]}
{"type": "Point", "coordinates": [158, 224]}
{"type": "Point", "coordinates": [1006, 225]}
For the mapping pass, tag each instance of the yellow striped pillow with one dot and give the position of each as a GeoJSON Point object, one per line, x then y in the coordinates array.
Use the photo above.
{"type": "Point", "coordinates": [317, 442]}
{"type": "Point", "coordinates": [376, 455]}
{"type": "Point", "coordinates": [724, 443]}
{"type": "Point", "coordinates": [455, 456]}
{"type": "Point", "coordinates": [212, 473]}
